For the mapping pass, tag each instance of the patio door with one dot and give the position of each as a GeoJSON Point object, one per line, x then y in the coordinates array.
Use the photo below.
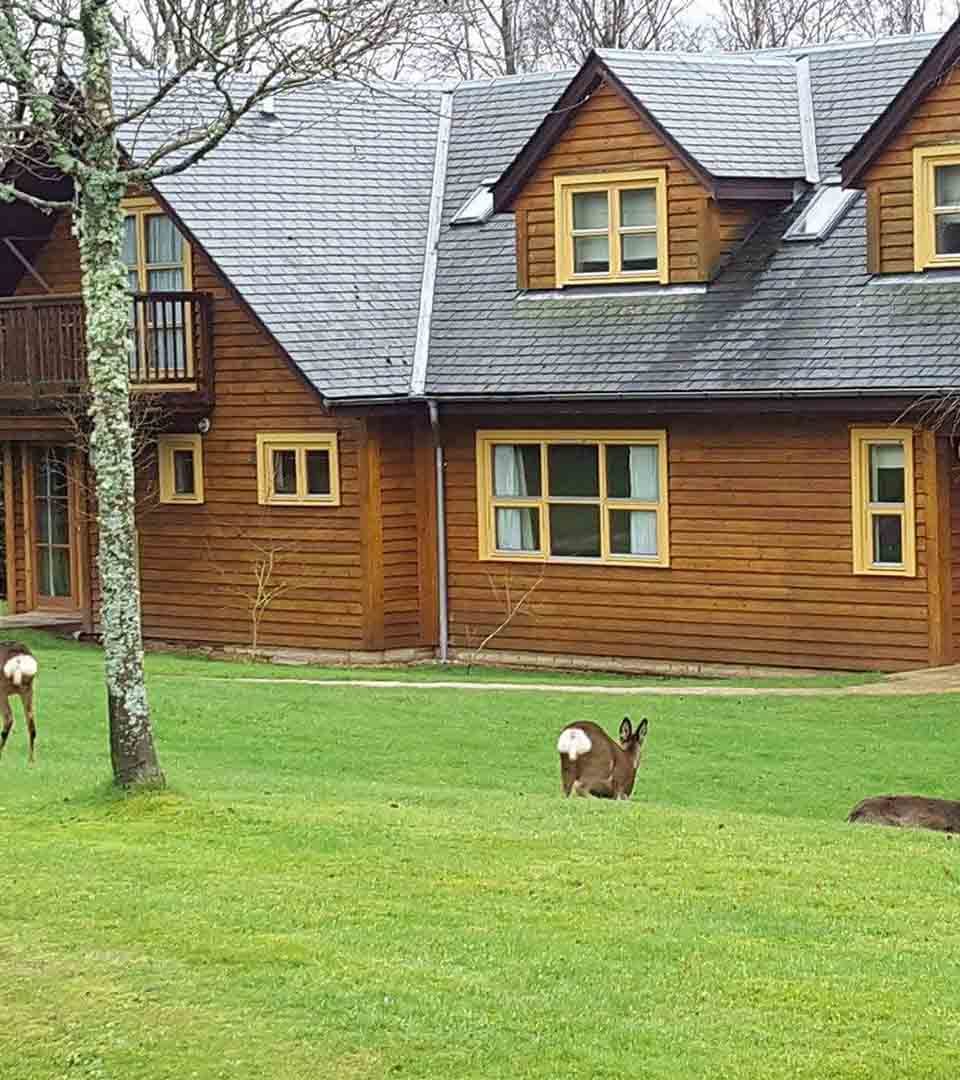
{"type": "Point", "coordinates": [54, 549]}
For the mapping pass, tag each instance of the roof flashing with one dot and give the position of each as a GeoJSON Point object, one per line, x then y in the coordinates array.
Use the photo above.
{"type": "Point", "coordinates": [825, 210]}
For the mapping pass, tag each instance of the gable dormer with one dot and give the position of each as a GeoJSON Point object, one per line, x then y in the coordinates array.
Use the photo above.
{"type": "Point", "coordinates": [908, 162]}
{"type": "Point", "coordinates": [650, 168]}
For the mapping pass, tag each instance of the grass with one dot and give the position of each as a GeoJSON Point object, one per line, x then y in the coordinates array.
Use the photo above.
{"type": "Point", "coordinates": [380, 883]}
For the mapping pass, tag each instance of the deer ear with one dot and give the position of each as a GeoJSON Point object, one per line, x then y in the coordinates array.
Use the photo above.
{"type": "Point", "coordinates": [625, 729]}
{"type": "Point", "coordinates": [641, 729]}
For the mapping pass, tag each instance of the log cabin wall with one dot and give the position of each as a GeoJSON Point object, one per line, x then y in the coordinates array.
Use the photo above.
{"type": "Point", "coordinates": [607, 134]}
{"type": "Point", "coordinates": [197, 562]}
{"type": "Point", "coordinates": [761, 558]}
{"type": "Point", "coordinates": [889, 180]}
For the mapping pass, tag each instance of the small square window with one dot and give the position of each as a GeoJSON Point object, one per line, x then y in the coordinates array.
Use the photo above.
{"type": "Point", "coordinates": [298, 469]}
{"type": "Point", "coordinates": [181, 468]}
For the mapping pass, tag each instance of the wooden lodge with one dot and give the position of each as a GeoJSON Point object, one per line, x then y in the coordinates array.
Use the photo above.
{"type": "Point", "coordinates": [652, 388]}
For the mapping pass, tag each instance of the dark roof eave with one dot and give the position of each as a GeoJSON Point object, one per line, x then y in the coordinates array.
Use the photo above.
{"type": "Point", "coordinates": [939, 62]}
{"type": "Point", "coordinates": [888, 392]}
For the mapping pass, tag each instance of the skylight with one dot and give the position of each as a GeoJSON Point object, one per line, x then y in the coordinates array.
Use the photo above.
{"type": "Point", "coordinates": [479, 206]}
{"type": "Point", "coordinates": [822, 213]}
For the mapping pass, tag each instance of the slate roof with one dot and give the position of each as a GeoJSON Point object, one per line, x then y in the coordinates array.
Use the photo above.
{"type": "Point", "coordinates": [319, 218]}
{"type": "Point", "coordinates": [781, 318]}
{"type": "Point", "coordinates": [737, 115]}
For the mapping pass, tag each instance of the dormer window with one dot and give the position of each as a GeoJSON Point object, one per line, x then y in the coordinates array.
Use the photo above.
{"type": "Point", "coordinates": [611, 227]}
{"type": "Point", "coordinates": [936, 206]}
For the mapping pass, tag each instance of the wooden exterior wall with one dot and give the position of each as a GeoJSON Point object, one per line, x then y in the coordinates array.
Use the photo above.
{"type": "Point", "coordinates": [607, 134]}
{"type": "Point", "coordinates": [761, 558]}
{"type": "Point", "coordinates": [889, 180]}
{"type": "Point", "coordinates": [353, 574]}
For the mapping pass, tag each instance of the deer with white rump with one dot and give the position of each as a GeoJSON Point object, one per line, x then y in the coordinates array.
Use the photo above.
{"type": "Point", "coordinates": [591, 763]}
{"type": "Point", "coordinates": [18, 669]}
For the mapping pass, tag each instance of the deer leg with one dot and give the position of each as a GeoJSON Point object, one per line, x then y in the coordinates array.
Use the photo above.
{"type": "Point", "coordinates": [27, 698]}
{"type": "Point", "coordinates": [7, 722]}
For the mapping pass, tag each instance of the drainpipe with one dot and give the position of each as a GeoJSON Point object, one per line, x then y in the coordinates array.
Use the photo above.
{"type": "Point", "coordinates": [441, 534]}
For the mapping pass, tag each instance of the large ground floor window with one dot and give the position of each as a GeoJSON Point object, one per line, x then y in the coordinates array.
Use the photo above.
{"type": "Point", "coordinates": [582, 496]}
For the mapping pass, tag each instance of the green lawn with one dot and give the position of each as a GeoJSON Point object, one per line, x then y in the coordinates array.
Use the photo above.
{"type": "Point", "coordinates": [385, 883]}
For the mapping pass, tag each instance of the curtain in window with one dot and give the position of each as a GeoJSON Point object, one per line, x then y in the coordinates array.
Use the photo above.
{"type": "Point", "coordinates": [514, 525]}
{"type": "Point", "coordinates": [645, 487]}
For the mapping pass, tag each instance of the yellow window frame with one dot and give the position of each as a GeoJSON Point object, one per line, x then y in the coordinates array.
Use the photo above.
{"type": "Point", "coordinates": [167, 446]}
{"type": "Point", "coordinates": [613, 183]}
{"type": "Point", "coordinates": [488, 502]}
{"type": "Point", "coordinates": [926, 160]}
{"type": "Point", "coordinates": [299, 442]}
{"type": "Point", "coordinates": [864, 511]}
{"type": "Point", "coordinates": [142, 207]}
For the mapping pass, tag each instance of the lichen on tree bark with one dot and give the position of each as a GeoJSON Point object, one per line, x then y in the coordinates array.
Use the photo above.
{"type": "Point", "coordinates": [99, 229]}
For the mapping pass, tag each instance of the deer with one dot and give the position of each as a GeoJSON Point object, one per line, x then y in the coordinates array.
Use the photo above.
{"type": "Point", "coordinates": [18, 670]}
{"type": "Point", "coordinates": [591, 763]}
{"type": "Point", "coordinates": [908, 812]}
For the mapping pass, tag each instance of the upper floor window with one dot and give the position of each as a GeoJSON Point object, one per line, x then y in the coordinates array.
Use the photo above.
{"type": "Point", "coordinates": [158, 261]}
{"type": "Point", "coordinates": [936, 206]}
{"type": "Point", "coordinates": [884, 530]}
{"type": "Point", "coordinates": [573, 496]}
{"type": "Point", "coordinates": [611, 227]}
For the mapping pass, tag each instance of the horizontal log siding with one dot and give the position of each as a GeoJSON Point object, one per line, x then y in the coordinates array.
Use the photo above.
{"type": "Point", "coordinates": [398, 493]}
{"type": "Point", "coordinates": [955, 553]}
{"type": "Point", "coordinates": [607, 134]}
{"type": "Point", "coordinates": [197, 562]}
{"type": "Point", "coordinates": [761, 556]}
{"type": "Point", "coordinates": [890, 178]}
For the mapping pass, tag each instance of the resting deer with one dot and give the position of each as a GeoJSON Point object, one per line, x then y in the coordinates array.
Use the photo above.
{"type": "Point", "coordinates": [591, 763]}
{"type": "Point", "coordinates": [18, 669]}
{"type": "Point", "coordinates": [908, 812]}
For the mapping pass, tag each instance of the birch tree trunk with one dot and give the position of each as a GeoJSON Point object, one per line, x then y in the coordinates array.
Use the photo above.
{"type": "Point", "coordinates": [99, 225]}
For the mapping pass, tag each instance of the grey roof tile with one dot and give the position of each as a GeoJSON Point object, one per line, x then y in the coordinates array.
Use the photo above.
{"type": "Point", "coordinates": [737, 115]}
{"type": "Point", "coordinates": [319, 219]}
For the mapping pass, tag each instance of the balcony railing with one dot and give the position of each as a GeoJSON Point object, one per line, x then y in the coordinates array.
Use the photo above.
{"type": "Point", "coordinates": [43, 344]}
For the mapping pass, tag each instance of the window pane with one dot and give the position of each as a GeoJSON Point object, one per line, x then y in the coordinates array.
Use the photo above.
{"type": "Point", "coordinates": [639, 251]}
{"type": "Point", "coordinates": [638, 207]}
{"type": "Point", "coordinates": [59, 521]}
{"type": "Point", "coordinates": [164, 243]}
{"type": "Point", "coordinates": [129, 254]}
{"type": "Point", "coordinates": [887, 473]}
{"type": "Point", "coordinates": [284, 472]}
{"type": "Point", "coordinates": [591, 255]}
{"type": "Point", "coordinates": [575, 530]}
{"type": "Point", "coordinates": [632, 473]}
{"type": "Point", "coordinates": [518, 529]}
{"type": "Point", "coordinates": [516, 470]}
{"type": "Point", "coordinates": [947, 179]}
{"type": "Point", "coordinates": [887, 539]}
{"type": "Point", "coordinates": [184, 481]}
{"type": "Point", "coordinates": [60, 565]}
{"type": "Point", "coordinates": [318, 472]}
{"type": "Point", "coordinates": [167, 281]}
{"type": "Point", "coordinates": [590, 210]}
{"type": "Point", "coordinates": [633, 532]}
{"type": "Point", "coordinates": [574, 470]}
{"type": "Point", "coordinates": [948, 234]}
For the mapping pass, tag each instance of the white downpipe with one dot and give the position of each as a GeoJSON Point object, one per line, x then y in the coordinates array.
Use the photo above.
{"type": "Point", "coordinates": [441, 536]}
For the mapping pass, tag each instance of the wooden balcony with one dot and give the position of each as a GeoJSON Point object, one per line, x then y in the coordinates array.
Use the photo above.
{"type": "Point", "coordinates": [43, 349]}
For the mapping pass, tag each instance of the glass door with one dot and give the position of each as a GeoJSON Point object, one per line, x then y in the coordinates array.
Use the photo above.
{"type": "Point", "coordinates": [53, 557]}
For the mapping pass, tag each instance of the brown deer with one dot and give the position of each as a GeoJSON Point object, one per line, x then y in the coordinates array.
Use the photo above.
{"type": "Point", "coordinates": [908, 812]}
{"type": "Point", "coordinates": [591, 763]}
{"type": "Point", "coordinates": [18, 670]}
